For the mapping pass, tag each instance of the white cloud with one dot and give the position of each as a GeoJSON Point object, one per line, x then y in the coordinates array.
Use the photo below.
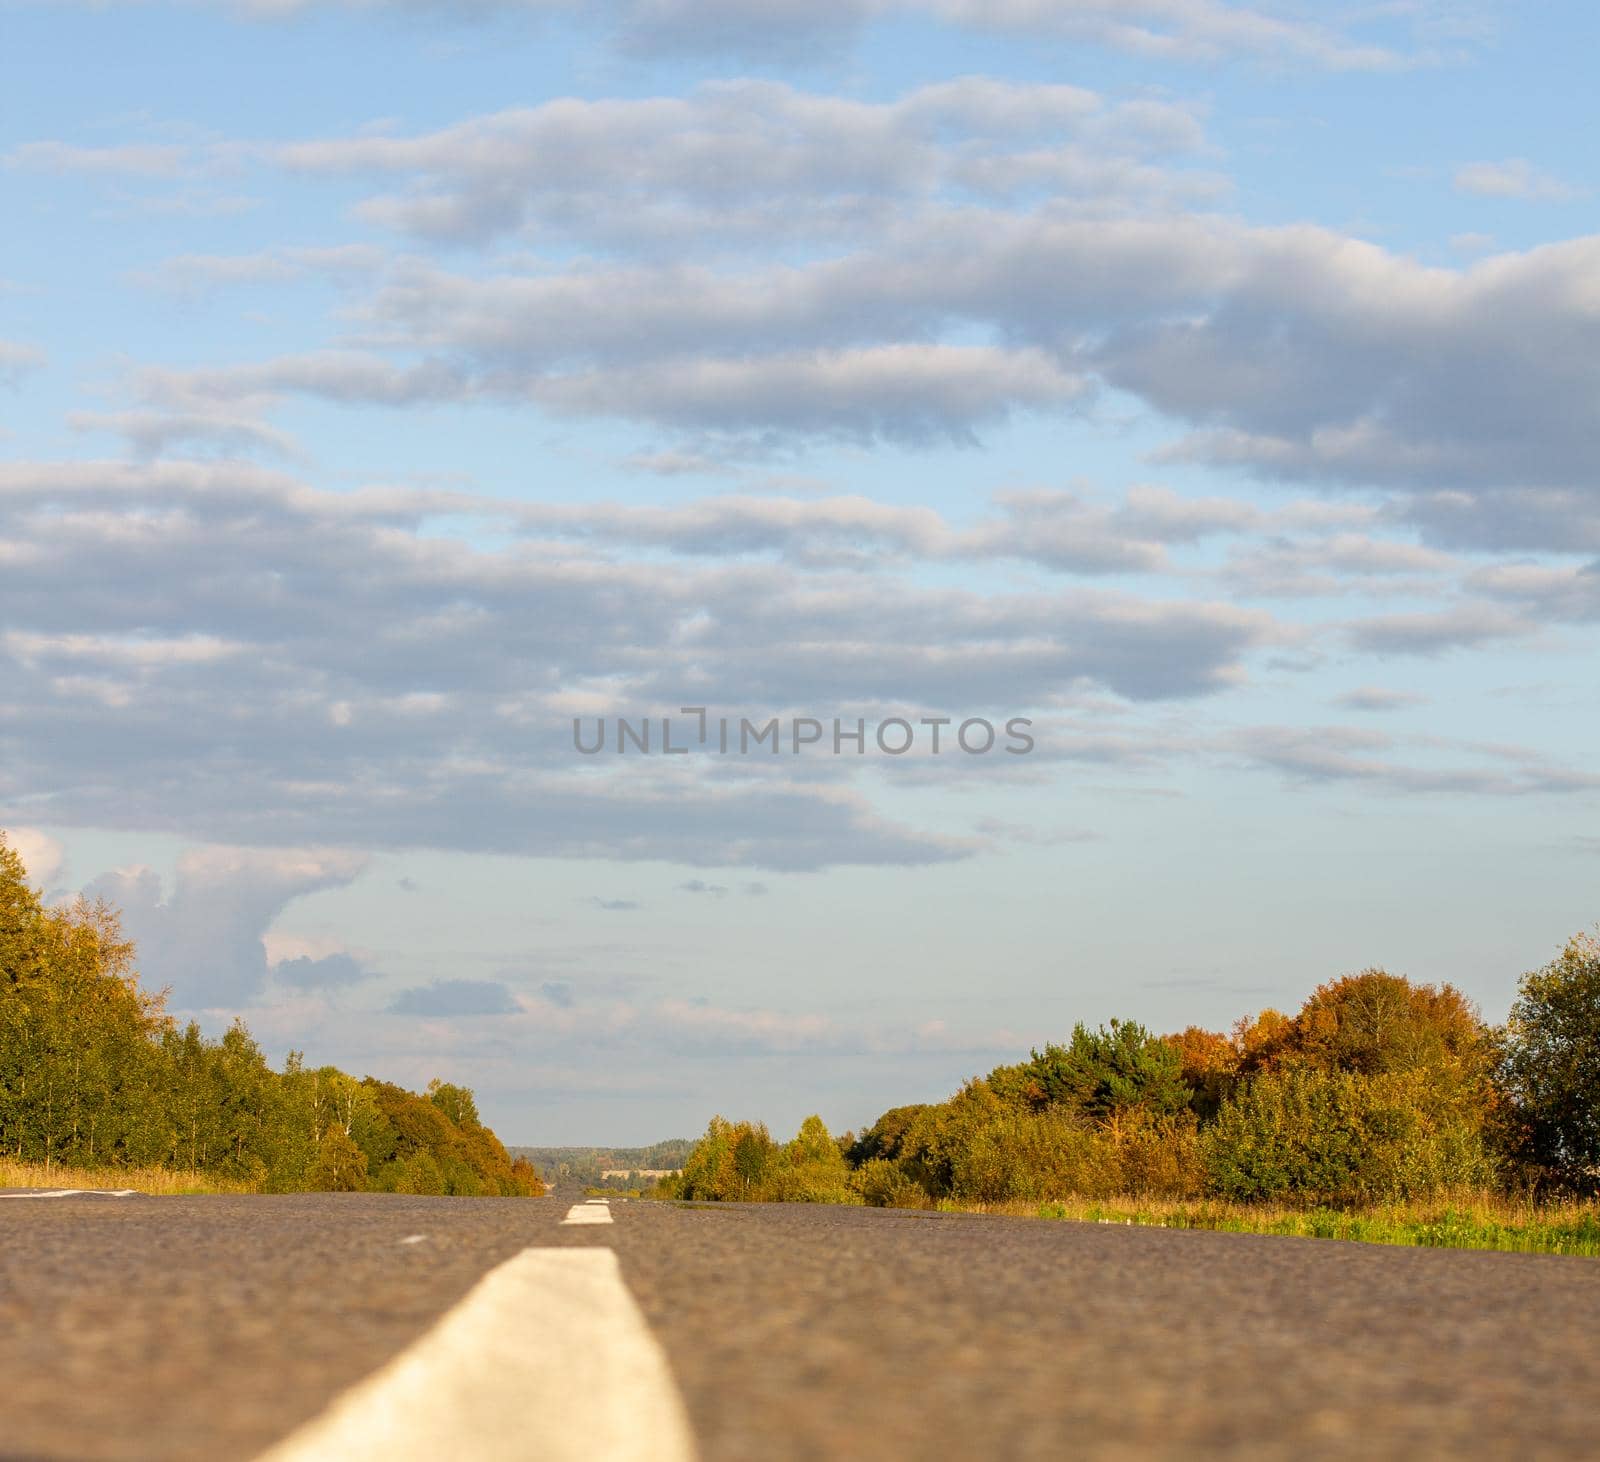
{"type": "Point", "coordinates": [42, 855]}
{"type": "Point", "coordinates": [205, 936]}
{"type": "Point", "coordinates": [1514, 178]}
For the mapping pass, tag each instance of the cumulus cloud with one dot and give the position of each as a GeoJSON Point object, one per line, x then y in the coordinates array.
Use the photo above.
{"type": "Point", "coordinates": [731, 163]}
{"type": "Point", "coordinates": [204, 936]}
{"type": "Point", "coordinates": [1297, 354]}
{"type": "Point", "coordinates": [42, 855]}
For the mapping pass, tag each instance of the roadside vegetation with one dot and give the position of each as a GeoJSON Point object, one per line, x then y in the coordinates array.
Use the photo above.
{"type": "Point", "coordinates": [99, 1087]}
{"type": "Point", "coordinates": [1383, 1110]}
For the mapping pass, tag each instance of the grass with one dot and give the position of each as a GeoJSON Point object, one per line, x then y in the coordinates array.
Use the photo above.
{"type": "Point", "coordinates": [142, 1180]}
{"type": "Point", "coordinates": [1472, 1221]}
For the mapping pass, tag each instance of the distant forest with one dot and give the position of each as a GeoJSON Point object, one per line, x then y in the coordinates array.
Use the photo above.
{"type": "Point", "coordinates": [95, 1075]}
{"type": "Point", "coordinates": [589, 1164]}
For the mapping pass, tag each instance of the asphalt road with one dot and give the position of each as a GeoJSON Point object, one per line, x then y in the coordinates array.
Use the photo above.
{"type": "Point", "coordinates": [175, 1328]}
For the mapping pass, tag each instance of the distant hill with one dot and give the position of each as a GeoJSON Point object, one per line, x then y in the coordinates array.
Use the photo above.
{"type": "Point", "coordinates": [589, 1164]}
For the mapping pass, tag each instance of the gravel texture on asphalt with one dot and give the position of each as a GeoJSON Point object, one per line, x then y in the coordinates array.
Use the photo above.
{"type": "Point", "coordinates": [208, 1327]}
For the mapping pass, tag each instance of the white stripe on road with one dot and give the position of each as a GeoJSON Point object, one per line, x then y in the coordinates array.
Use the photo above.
{"type": "Point", "coordinates": [596, 1210]}
{"type": "Point", "coordinates": [547, 1358]}
{"type": "Point", "coordinates": [76, 1193]}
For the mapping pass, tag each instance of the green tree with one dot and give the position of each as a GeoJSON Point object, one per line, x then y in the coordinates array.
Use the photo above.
{"type": "Point", "coordinates": [812, 1169]}
{"type": "Point", "coordinates": [1551, 1065]}
{"type": "Point", "coordinates": [456, 1102]}
{"type": "Point", "coordinates": [340, 1167]}
{"type": "Point", "coordinates": [1113, 1069]}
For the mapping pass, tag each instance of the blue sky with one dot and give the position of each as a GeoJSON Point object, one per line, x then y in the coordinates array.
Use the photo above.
{"type": "Point", "coordinates": [382, 385]}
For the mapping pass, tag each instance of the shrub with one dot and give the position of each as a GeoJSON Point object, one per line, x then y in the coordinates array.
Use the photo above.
{"type": "Point", "coordinates": [884, 1184]}
{"type": "Point", "coordinates": [1301, 1136]}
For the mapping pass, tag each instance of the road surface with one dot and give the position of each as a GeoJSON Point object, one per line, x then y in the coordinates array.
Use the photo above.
{"type": "Point", "coordinates": [220, 1328]}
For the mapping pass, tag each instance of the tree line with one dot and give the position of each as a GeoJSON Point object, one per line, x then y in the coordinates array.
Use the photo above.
{"type": "Point", "coordinates": [95, 1074]}
{"type": "Point", "coordinates": [588, 1165]}
{"type": "Point", "coordinates": [1378, 1089]}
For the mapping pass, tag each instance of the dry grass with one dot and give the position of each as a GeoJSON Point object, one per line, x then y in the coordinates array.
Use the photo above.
{"type": "Point", "coordinates": [141, 1180]}
{"type": "Point", "coordinates": [1463, 1221]}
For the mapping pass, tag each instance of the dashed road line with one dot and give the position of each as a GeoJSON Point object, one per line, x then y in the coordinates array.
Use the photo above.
{"type": "Point", "coordinates": [596, 1210]}
{"type": "Point", "coordinates": [547, 1358]}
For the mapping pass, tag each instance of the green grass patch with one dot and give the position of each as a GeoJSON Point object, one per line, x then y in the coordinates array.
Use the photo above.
{"type": "Point", "coordinates": [1500, 1226]}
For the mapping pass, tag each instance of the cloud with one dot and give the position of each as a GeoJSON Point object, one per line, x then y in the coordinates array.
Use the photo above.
{"type": "Point", "coordinates": [18, 360]}
{"type": "Point", "coordinates": [1296, 354]}
{"type": "Point", "coordinates": [151, 434]}
{"type": "Point", "coordinates": [441, 715]}
{"type": "Point", "coordinates": [42, 855]}
{"type": "Point", "coordinates": [192, 274]}
{"type": "Point", "coordinates": [1183, 31]}
{"type": "Point", "coordinates": [331, 971]}
{"type": "Point", "coordinates": [1436, 632]}
{"type": "Point", "coordinates": [905, 393]}
{"type": "Point", "coordinates": [1342, 754]}
{"type": "Point", "coordinates": [135, 158]}
{"type": "Point", "coordinates": [1379, 698]}
{"type": "Point", "coordinates": [203, 937]}
{"type": "Point", "coordinates": [455, 997]}
{"type": "Point", "coordinates": [699, 885]}
{"type": "Point", "coordinates": [1514, 178]}
{"type": "Point", "coordinates": [655, 172]}
{"type": "Point", "coordinates": [616, 906]}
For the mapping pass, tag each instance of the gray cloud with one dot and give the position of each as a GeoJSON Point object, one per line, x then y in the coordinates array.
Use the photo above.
{"type": "Point", "coordinates": [455, 997]}
{"type": "Point", "coordinates": [1188, 31]}
{"type": "Point", "coordinates": [331, 971]}
{"type": "Point", "coordinates": [1379, 698]}
{"type": "Point", "coordinates": [440, 715]}
{"type": "Point", "coordinates": [1297, 354]}
{"type": "Point", "coordinates": [699, 885]}
{"type": "Point", "coordinates": [1436, 632]}
{"type": "Point", "coordinates": [754, 162]}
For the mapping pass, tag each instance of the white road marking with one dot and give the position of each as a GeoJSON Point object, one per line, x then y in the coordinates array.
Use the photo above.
{"type": "Point", "coordinates": [594, 1211]}
{"type": "Point", "coordinates": [547, 1358]}
{"type": "Point", "coordinates": [76, 1193]}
